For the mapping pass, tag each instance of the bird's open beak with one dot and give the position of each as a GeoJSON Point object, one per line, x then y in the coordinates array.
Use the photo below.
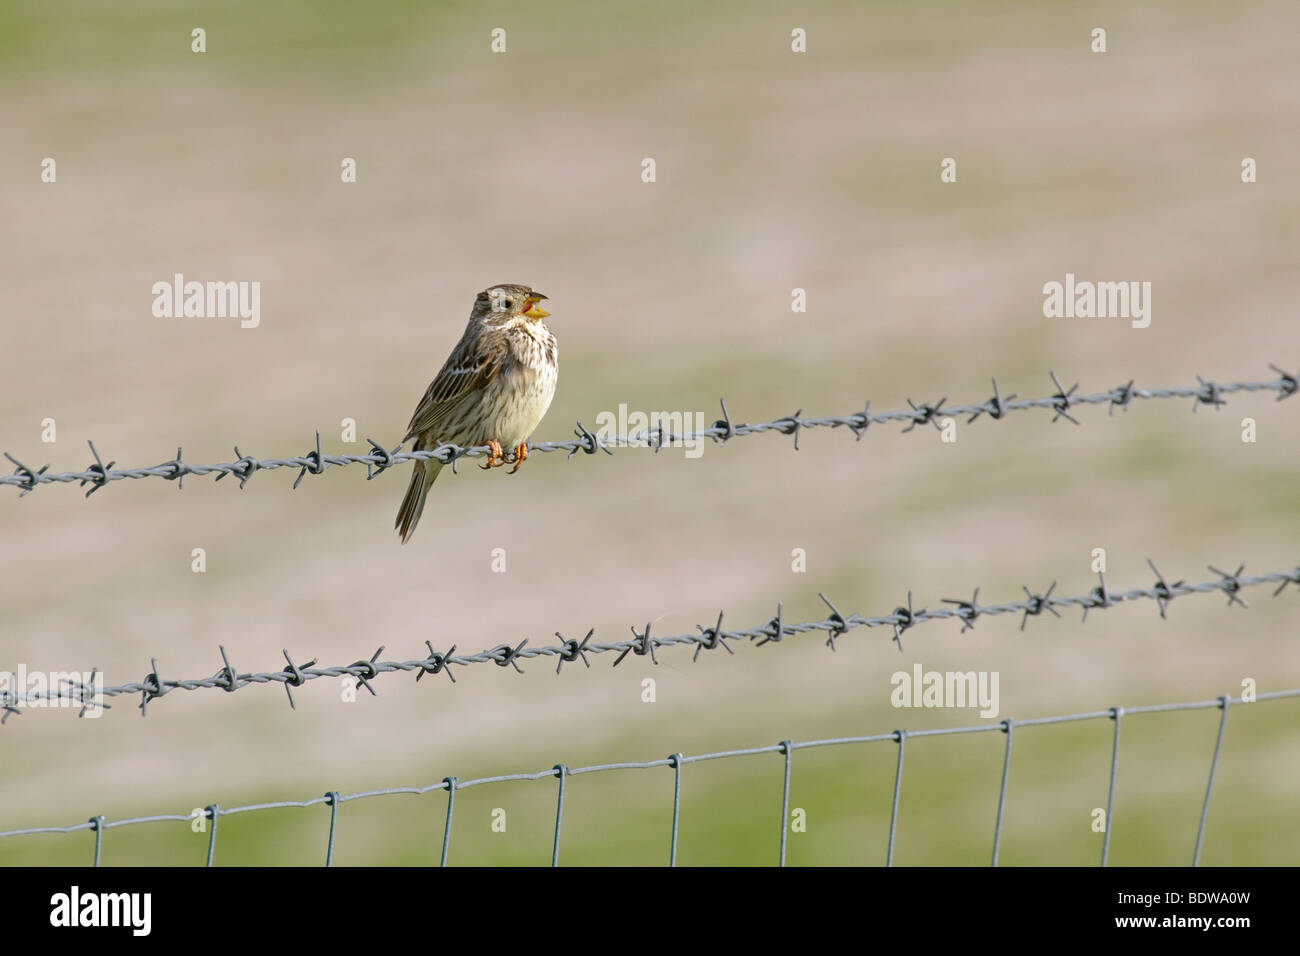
{"type": "Point", "coordinates": [533, 312]}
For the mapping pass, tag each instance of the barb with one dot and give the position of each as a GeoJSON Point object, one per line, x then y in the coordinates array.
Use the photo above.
{"type": "Point", "coordinates": [379, 460]}
{"type": "Point", "coordinates": [709, 637]}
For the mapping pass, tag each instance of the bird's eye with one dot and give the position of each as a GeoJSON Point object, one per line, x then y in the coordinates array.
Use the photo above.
{"type": "Point", "coordinates": [508, 303]}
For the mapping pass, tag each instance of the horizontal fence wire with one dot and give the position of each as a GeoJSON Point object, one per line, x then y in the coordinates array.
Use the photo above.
{"type": "Point", "coordinates": [378, 460]}
{"type": "Point", "coordinates": [644, 643]}
{"type": "Point", "coordinates": [676, 762]}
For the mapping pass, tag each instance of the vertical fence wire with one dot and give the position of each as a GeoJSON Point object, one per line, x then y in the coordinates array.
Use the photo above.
{"type": "Point", "coordinates": [787, 747]}
{"type": "Point", "coordinates": [1115, 714]}
{"type": "Point", "coordinates": [676, 762]}
{"type": "Point", "coordinates": [563, 771]}
{"type": "Point", "coordinates": [1209, 786]}
{"type": "Point", "coordinates": [1002, 794]}
{"type": "Point", "coordinates": [446, 831]}
{"type": "Point", "coordinates": [214, 811]}
{"type": "Point", "coordinates": [332, 800]}
{"type": "Point", "coordinates": [900, 736]}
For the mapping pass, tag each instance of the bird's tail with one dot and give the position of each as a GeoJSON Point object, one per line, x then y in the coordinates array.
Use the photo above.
{"type": "Point", "coordinates": [408, 516]}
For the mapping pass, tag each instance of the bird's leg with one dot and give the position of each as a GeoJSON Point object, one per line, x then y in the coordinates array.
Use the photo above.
{"type": "Point", "coordinates": [521, 456]}
{"type": "Point", "coordinates": [495, 456]}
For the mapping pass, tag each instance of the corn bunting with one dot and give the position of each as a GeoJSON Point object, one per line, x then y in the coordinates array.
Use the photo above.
{"type": "Point", "coordinates": [493, 390]}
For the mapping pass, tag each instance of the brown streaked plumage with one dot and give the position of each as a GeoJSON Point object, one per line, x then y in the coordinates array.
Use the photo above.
{"type": "Point", "coordinates": [493, 390]}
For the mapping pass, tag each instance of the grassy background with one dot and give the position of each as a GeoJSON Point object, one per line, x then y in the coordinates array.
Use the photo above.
{"type": "Point", "coordinates": [774, 171]}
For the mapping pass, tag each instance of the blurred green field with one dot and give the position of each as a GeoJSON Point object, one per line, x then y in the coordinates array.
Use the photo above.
{"type": "Point", "coordinates": [775, 171]}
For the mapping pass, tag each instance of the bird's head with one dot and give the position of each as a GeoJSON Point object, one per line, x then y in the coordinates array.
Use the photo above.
{"type": "Point", "coordinates": [504, 302]}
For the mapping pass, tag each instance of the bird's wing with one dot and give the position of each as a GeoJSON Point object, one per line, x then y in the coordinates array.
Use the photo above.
{"type": "Point", "coordinates": [465, 373]}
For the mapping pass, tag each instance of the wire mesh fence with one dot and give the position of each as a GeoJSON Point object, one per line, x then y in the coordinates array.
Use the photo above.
{"type": "Point", "coordinates": [332, 801]}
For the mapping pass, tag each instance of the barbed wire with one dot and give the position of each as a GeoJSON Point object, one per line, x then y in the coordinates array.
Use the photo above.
{"type": "Point", "coordinates": [213, 812]}
{"type": "Point", "coordinates": [643, 643]}
{"type": "Point", "coordinates": [378, 460]}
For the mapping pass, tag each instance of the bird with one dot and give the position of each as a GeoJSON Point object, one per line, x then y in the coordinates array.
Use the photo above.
{"type": "Point", "coordinates": [493, 390]}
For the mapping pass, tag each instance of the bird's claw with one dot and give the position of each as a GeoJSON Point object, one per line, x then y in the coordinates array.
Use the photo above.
{"type": "Point", "coordinates": [521, 456]}
{"type": "Point", "coordinates": [495, 456]}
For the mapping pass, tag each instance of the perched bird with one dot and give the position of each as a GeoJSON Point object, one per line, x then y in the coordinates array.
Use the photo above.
{"type": "Point", "coordinates": [493, 390]}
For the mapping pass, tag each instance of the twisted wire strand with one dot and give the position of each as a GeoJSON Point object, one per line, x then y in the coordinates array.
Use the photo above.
{"type": "Point", "coordinates": [378, 460]}
{"type": "Point", "coordinates": [835, 625]}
